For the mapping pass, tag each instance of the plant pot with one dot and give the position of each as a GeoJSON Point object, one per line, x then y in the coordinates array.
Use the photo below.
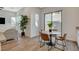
{"type": "Point", "coordinates": [50, 30]}
{"type": "Point", "coordinates": [22, 34]}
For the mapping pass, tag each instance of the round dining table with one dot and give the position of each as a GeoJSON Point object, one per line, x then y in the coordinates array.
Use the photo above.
{"type": "Point", "coordinates": [52, 34]}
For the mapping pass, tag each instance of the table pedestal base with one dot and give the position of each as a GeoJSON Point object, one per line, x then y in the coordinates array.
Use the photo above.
{"type": "Point", "coordinates": [51, 44]}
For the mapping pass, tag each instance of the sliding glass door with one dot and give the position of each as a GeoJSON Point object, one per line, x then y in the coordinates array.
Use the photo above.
{"type": "Point", "coordinates": [55, 18]}
{"type": "Point", "coordinates": [47, 18]}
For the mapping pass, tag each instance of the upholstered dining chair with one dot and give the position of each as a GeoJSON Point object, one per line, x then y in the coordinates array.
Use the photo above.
{"type": "Point", "coordinates": [62, 39]}
{"type": "Point", "coordinates": [44, 39]}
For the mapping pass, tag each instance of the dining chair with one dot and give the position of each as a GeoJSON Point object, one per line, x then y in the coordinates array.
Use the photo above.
{"type": "Point", "coordinates": [44, 39]}
{"type": "Point", "coordinates": [62, 39]}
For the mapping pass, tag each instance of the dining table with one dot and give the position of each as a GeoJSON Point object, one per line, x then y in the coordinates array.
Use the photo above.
{"type": "Point", "coordinates": [52, 34]}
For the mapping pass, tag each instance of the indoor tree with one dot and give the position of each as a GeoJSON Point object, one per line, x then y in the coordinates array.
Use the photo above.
{"type": "Point", "coordinates": [23, 23]}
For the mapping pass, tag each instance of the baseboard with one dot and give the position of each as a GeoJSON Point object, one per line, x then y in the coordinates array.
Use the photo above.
{"type": "Point", "coordinates": [35, 36]}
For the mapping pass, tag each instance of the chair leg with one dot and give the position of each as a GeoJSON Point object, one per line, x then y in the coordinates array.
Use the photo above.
{"type": "Point", "coordinates": [41, 45]}
{"type": "Point", "coordinates": [40, 42]}
{"type": "Point", "coordinates": [55, 42]}
{"type": "Point", "coordinates": [64, 45]}
{"type": "Point", "coordinates": [48, 48]}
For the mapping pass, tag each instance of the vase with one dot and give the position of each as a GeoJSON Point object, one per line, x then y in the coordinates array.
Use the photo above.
{"type": "Point", "coordinates": [23, 34]}
{"type": "Point", "coordinates": [50, 30]}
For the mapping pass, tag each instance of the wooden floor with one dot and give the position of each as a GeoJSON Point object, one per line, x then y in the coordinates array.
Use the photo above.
{"type": "Point", "coordinates": [32, 44]}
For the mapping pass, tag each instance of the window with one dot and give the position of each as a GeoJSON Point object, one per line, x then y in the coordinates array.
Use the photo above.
{"type": "Point", "coordinates": [55, 18]}
{"type": "Point", "coordinates": [47, 18]}
{"type": "Point", "coordinates": [36, 20]}
{"type": "Point", "coordinates": [13, 21]}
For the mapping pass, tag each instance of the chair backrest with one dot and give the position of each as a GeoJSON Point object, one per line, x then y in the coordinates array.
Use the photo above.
{"type": "Point", "coordinates": [44, 36]}
{"type": "Point", "coordinates": [64, 36]}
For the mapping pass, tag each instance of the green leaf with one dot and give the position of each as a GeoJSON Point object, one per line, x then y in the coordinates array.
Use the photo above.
{"type": "Point", "coordinates": [23, 22]}
{"type": "Point", "coordinates": [50, 24]}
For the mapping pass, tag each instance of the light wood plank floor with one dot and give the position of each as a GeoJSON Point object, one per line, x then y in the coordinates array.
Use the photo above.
{"type": "Point", "coordinates": [32, 44]}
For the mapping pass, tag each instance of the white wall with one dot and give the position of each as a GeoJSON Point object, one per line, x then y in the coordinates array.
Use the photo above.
{"type": "Point", "coordinates": [31, 29]}
{"type": "Point", "coordinates": [70, 19]}
{"type": "Point", "coordinates": [35, 22]}
{"type": "Point", "coordinates": [7, 15]}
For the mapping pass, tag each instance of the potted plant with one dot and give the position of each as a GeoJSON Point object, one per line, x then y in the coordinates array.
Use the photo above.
{"type": "Point", "coordinates": [23, 23]}
{"type": "Point", "coordinates": [50, 24]}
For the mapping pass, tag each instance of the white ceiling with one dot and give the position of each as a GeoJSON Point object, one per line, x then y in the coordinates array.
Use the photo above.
{"type": "Point", "coordinates": [13, 9]}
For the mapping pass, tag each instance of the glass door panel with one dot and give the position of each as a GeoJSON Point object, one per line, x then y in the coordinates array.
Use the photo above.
{"type": "Point", "coordinates": [47, 18]}
{"type": "Point", "coordinates": [56, 19]}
